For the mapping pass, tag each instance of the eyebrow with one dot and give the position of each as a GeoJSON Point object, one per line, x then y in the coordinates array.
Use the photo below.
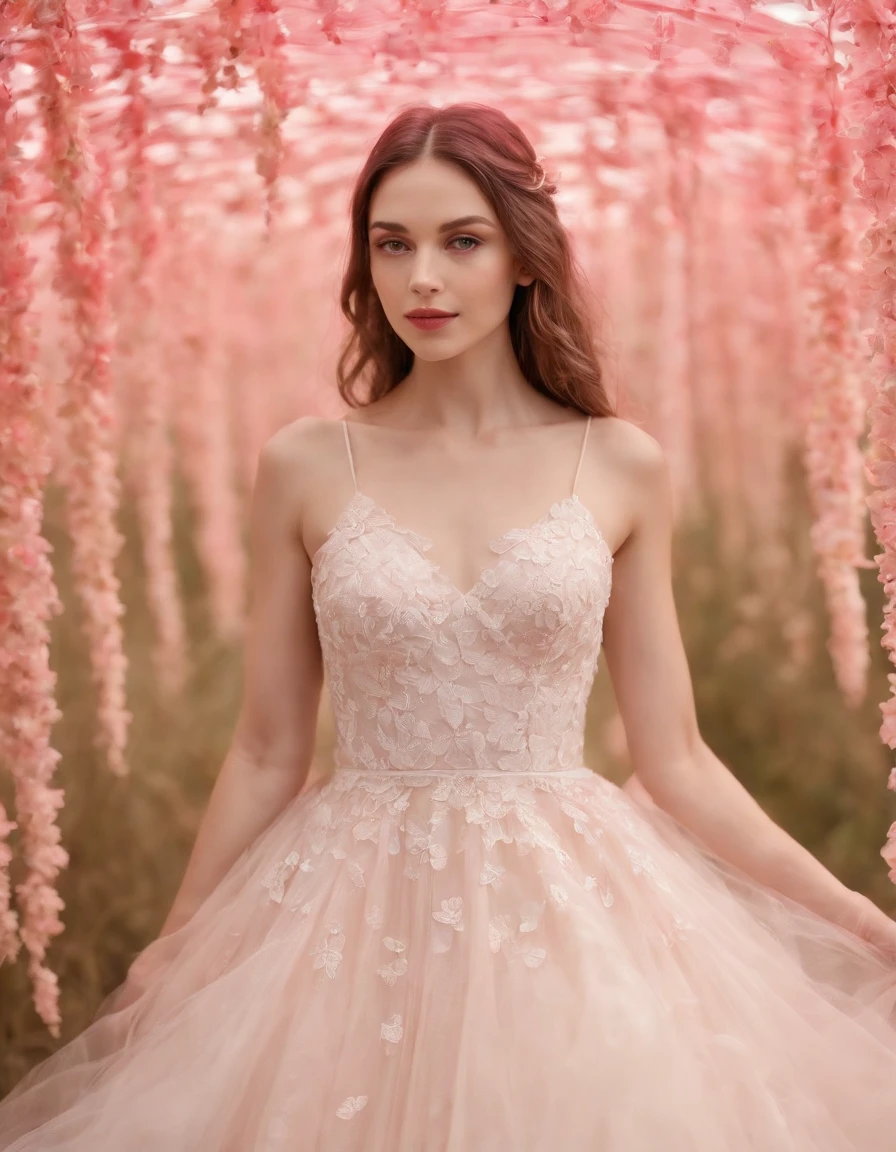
{"type": "Point", "coordinates": [461, 222]}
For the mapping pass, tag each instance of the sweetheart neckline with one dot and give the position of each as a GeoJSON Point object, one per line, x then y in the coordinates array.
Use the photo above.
{"type": "Point", "coordinates": [425, 543]}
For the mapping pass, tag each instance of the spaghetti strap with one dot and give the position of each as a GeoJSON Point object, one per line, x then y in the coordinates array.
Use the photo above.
{"type": "Point", "coordinates": [348, 448]}
{"type": "Point", "coordinates": [581, 454]}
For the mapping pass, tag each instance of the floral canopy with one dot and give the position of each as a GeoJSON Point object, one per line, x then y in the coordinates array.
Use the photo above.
{"type": "Point", "coordinates": [173, 194]}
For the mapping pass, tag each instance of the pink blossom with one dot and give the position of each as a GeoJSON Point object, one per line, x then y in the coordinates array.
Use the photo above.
{"type": "Point", "coordinates": [27, 593]}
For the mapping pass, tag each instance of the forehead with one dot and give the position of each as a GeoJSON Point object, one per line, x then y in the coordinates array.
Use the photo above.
{"type": "Point", "coordinates": [426, 193]}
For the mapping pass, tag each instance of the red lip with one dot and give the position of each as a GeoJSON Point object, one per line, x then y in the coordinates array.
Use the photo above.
{"type": "Point", "coordinates": [427, 314]}
{"type": "Point", "coordinates": [431, 323]}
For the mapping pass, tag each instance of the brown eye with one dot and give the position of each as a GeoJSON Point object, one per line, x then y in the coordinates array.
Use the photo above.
{"type": "Point", "coordinates": [385, 242]}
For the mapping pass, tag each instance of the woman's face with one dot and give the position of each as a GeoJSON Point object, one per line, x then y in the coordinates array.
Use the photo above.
{"type": "Point", "coordinates": [418, 261]}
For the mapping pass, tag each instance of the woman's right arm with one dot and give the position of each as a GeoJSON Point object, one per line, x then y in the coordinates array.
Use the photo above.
{"type": "Point", "coordinates": [274, 740]}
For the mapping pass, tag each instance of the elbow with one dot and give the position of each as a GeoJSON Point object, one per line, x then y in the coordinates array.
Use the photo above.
{"type": "Point", "coordinates": [669, 776]}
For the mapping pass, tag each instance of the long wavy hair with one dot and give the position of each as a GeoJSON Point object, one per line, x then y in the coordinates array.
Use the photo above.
{"type": "Point", "coordinates": [551, 321]}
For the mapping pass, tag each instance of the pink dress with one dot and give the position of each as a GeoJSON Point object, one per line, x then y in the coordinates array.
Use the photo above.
{"type": "Point", "coordinates": [466, 940]}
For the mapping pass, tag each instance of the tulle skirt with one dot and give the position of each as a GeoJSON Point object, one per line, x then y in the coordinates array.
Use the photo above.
{"type": "Point", "coordinates": [480, 963]}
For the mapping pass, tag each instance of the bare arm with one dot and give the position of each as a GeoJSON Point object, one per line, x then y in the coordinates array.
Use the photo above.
{"type": "Point", "coordinates": [651, 680]}
{"type": "Point", "coordinates": [273, 744]}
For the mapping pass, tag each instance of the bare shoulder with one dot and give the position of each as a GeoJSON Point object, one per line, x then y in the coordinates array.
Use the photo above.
{"type": "Point", "coordinates": [292, 465]}
{"type": "Point", "coordinates": [305, 463]}
{"type": "Point", "coordinates": [630, 468]}
{"type": "Point", "coordinates": [300, 450]}
{"type": "Point", "coordinates": [636, 457]}
{"type": "Point", "coordinates": [290, 446]}
{"type": "Point", "coordinates": [638, 453]}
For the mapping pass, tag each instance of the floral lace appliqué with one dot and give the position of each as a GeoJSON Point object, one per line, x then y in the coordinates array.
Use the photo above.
{"type": "Point", "coordinates": [422, 676]}
{"type": "Point", "coordinates": [276, 879]}
{"type": "Point", "coordinates": [329, 954]}
{"type": "Point", "coordinates": [350, 1106]}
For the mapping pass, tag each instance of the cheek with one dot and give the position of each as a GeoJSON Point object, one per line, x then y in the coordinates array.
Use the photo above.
{"type": "Point", "coordinates": [379, 272]}
{"type": "Point", "coordinates": [388, 284]}
{"type": "Point", "coordinates": [491, 285]}
{"type": "Point", "coordinates": [490, 266]}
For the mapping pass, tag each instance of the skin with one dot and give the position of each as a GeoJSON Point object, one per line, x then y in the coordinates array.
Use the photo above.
{"type": "Point", "coordinates": [462, 372]}
{"type": "Point", "coordinates": [466, 411]}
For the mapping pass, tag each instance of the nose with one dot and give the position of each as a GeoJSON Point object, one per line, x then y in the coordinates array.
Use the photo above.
{"type": "Point", "coordinates": [425, 276]}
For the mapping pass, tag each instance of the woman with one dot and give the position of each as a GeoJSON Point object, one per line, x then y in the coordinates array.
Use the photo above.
{"type": "Point", "coordinates": [466, 939]}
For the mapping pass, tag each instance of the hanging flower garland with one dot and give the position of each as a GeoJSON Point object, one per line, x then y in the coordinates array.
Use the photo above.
{"type": "Point", "coordinates": [80, 183]}
{"type": "Point", "coordinates": [871, 95]}
{"type": "Point", "coordinates": [836, 416]}
{"type": "Point", "coordinates": [201, 421]}
{"type": "Point", "coordinates": [148, 398]}
{"type": "Point", "coordinates": [28, 596]}
{"type": "Point", "coordinates": [250, 32]}
{"type": "Point", "coordinates": [268, 40]}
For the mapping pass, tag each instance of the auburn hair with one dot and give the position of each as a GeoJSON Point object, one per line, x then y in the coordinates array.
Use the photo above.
{"type": "Point", "coordinates": [551, 323]}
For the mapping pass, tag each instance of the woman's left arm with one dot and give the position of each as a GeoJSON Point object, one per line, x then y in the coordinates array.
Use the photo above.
{"type": "Point", "coordinates": [645, 657]}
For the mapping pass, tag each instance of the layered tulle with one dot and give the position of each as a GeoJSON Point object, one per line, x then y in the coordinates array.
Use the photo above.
{"type": "Point", "coordinates": [478, 962]}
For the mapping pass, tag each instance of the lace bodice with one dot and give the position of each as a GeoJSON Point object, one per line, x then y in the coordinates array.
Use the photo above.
{"type": "Point", "coordinates": [423, 676]}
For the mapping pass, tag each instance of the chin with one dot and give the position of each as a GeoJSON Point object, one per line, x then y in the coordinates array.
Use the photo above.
{"type": "Point", "coordinates": [429, 356]}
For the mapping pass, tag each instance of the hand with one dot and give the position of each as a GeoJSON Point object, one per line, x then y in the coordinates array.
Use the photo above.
{"type": "Point", "coordinates": [874, 926]}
